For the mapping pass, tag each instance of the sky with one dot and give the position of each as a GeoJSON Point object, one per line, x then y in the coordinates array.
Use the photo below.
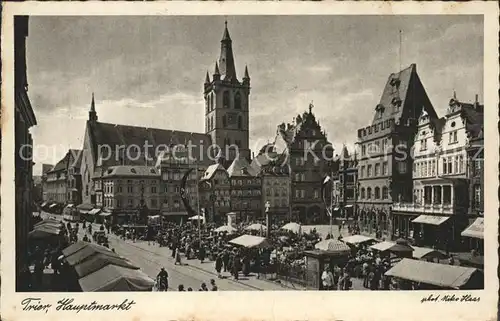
{"type": "Point", "coordinates": [149, 71]}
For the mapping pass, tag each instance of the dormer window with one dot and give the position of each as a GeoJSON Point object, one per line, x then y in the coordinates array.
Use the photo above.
{"type": "Point", "coordinates": [395, 82]}
{"type": "Point", "coordinates": [396, 101]}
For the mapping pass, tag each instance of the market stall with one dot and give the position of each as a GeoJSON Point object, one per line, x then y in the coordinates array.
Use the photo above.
{"type": "Point", "coordinates": [429, 275]}
{"type": "Point", "coordinates": [251, 241]}
{"type": "Point", "coordinates": [116, 278]}
{"type": "Point", "coordinates": [358, 239]}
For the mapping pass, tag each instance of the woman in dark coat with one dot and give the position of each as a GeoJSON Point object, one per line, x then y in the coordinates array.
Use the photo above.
{"type": "Point", "coordinates": [202, 253]}
{"type": "Point", "coordinates": [218, 265]}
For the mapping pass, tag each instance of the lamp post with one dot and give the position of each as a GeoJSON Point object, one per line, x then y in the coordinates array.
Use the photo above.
{"type": "Point", "coordinates": [267, 207]}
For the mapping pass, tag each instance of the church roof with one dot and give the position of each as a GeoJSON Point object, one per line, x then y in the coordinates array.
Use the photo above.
{"type": "Point", "coordinates": [226, 60]}
{"type": "Point", "coordinates": [131, 171]}
{"type": "Point", "coordinates": [115, 137]}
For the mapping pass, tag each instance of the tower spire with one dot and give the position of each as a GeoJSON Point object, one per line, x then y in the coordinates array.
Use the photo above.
{"type": "Point", "coordinates": [207, 78]}
{"type": "Point", "coordinates": [226, 60]}
{"type": "Point", "coordinates": [92, 112]}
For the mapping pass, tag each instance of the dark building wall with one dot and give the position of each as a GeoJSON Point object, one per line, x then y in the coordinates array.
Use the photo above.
{"type": "Point", "coordinates": [24, 119]}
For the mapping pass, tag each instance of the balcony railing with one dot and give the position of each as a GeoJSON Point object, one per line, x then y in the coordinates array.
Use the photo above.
{"type": "Point", "coordinates": [424, 208]}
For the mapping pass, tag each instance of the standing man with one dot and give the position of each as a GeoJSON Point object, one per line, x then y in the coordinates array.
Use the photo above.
{"type": "Point", "coordinates": [327, 279]}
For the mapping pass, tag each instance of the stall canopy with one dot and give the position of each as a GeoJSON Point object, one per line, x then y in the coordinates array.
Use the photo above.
{"type": "Point", "coordinates": [332, 245]}
{"type": "Point", "coordinates": [48, 221]}
{"type": "Point", "coordinates": [251, 241]}
{"type": "Point", "coordinates": [357, 239]}
{"type": "Point", "coordinates": [475, 230]}
{"type": "Point", "coordinates": [116, 278]}
{"type": "Point", "coordinates": [196, 218]}
{"type": "Point", "coordinates": [293, 227]}
{"type": "Point", "coordinates": [77, 246]}
{"type": "Point", "coordinates": [255, 227]}
{"type": "Point", "coordinates": [105, 213]}
{"type": "Point", "coordinates": [44, 204]}
{"type": "Point", "coordinates": [100, 261]}
{"type": "Point", "coordinates": [226, 228]}
{"type": "Point", "coordinates": [426, 253]}
{"type": "Point", "coordinates": [431, 219]}
{"type": "Point", "coordinates": [442, 275]}
{"type": "Point", "coordinates": [53, 205]}
{"type": "Point", "coordinates": [84, 208]}
{"type": "Point", "coordinates": [94, 211]}
{"type": "Point", "coordinates": [87, 252]}
{"type": "Point", "coordinates": [43, 231]}
{"type": "Point", "coordinates": [382, 246]}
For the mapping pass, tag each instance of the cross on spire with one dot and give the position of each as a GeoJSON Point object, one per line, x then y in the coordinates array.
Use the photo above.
{"type": "Point", "coordinates": [311, 106]}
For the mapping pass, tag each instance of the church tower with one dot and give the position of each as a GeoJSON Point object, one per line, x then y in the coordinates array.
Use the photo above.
{"type": "Point", "coordinates": [226, 105]}
{"type": "Point", "coordinates": [92, 112]}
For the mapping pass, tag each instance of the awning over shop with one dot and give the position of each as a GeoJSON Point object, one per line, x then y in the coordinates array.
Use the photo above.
{"type": "Point", "coordinates": [105, 214]}
{"type": "Point", "coordinates": [475, 230]}
{"type": "Point", "coordinates": [251, 241]}
{"type": "Point", "coordinates": [426, 253]}
{"type": "Point", "coordinates": [70, 206]}
{"type": "Point", "coordinates": [116, 278]}
{"type": "Point", "coordinates": [53, 205]}
{"type": "Point", "coordinates": [357, 239]}
{"type": "Point", "coordinates": [431, 219]}
{"type": "Point", "coordinates": [94, 211]}
{"type": "Point", "coordinates": [442, 275]}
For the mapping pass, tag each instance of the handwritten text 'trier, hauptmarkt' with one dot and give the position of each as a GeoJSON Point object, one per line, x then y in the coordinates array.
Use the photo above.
{"type": "Point", "coordinates": [66, 304]}
{"type": "Point", "coordinates": [450, 298]}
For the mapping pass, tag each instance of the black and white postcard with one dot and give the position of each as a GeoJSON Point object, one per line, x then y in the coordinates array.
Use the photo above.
{"type": "Point", "coordinates": [341, 157]}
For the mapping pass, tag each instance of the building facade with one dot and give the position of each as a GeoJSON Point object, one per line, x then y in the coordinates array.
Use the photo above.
{"type": "Point", "coordinates": [309, 156]}
{"type": "Point", "coordinates": [227, 105]}
{"type": "Point", "coordinates": [62, 184]}
{"type": "Point", "coordinates": [440, 210]}
{"type": "Point", "coordinates": [246, 188]}
{"type": "Point", "coordinates": [215, 193]}
{"type": "Point", "coordinates": [347, 184]}
{"type": "Point", "coordinates": [122, 191]}
{"type": "Point", "coordinates": [24, 119]}
{"type": "Point", "coordinates": [384, 162]}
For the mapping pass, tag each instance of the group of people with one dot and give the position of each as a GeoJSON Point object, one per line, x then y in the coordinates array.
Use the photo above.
{"type": "Point", "coordinates": [161, 283]}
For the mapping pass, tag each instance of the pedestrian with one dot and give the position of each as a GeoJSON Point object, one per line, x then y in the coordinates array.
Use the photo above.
{"type": "Point", "coordinates": [178, 256]}
{"type": "Point", "coordinates": [225, 260]}
{"type": "Point", "coordinates": [214, 286]}
{"type": "Point", "coordinates": [190, 289]}
{"type": "Point", "coordinates": [203, 287]}
{"type": "Point", "coordinates": [180, 288]}
{"type": "Point", "coordinates": [327, 279]}
{"type": "Point", "coordinates": [218, 265]}
{"type": "Point", "coordinates": [202, 253]}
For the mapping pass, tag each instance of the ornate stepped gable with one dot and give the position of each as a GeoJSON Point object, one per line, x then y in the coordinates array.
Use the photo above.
{"type": "Point", "coordinates": [298, 129]}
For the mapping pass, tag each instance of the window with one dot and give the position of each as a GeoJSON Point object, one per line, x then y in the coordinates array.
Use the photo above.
{"type": "Point", "coordinates": [450, 166]}
{"type": "Point", "coordinates": [433, 167]}
{"type": "Point", "coordinates": [297, 193]}
{"type": "Point", "coordinates": [240, 122]}
{"type": "Point", "coordinates": [224, 121]}
{"type": "Point", "coordinates": [453, 137]}
{"type": "Point", "coordinates": [424, 169]}
{"type": "Point", "coordinates": [385, 193]}
{"type": "Point", "coordinates": [423, 144]}
{"type": "Point", "coordinates": [362, 193]}
{"type": "Point", "coordinates": [212, 102]}
{"type": "Point", "coordinates": [369, 171]}
{"type": "Point", "coordinates": [368, 193]}
{"type": "Point", "coordinates": [384, 168]}
{"type": "Point", "coordinates": [120, 189]}
{"type": "Point", "coordinates": [153, 203]}
{"type": "Point", "coordinates": [377, 193]}
{"type": "Point", "coordinates": [316, 193]}
{"type": "Point", "coordinates": [384, 144]}
{"type": "Point", "coordinates": [225, 99]}
{"type": "Point", "coordinates": [130, 202]}
{"type": "Point", "coordinates": [303, 193]}
{"type": "Point", "coordinates": [363, 150]}
{"type": "Point", "coordinates": [268, 191]}
{"type": "Point", "coordinates": [302, 177]}
{"type": "Point", "coordinates": [153, 189]}
{"type": "Point", "coordinates": [118, 203]}
{"type": "Point", "coordinates": [237, 101]}
{"type": "Point", "coordinates": [402, 167]}
{"type": "Point", "coordinates": [445, 166]}
{"type": "Point", "coordinates": [362, 172]}
{"type": "Point", "coordinates": [212, 126]}
{"type": "Point", "coordinates": [377, 169]}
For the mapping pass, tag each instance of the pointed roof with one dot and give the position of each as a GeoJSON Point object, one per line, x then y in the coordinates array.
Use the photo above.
{"type": "Point", "coordinates": [225, 36]}
{"type": "Point", "coordinates": [345, 153]}
{"type": "Point", "coordinates": [209, 173]}
{"type": "Point", "coordinates": [226, 59]}
{"type": "Point", "coordinates": [246, 73]}
{"type": "Point", "coordinates": [239, 168]}
{"type": "Point", "coordinates": [399, 91]}
{"type": "Point", "coordinates": [217, 72]}
{"type": "Point", "coordinates": [92, 104]}
{"type": "Point", "coordinates": [207, 79]}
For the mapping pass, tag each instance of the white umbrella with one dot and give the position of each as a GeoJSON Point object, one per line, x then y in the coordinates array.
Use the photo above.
{"type": "Point", "coordinates": [225, 228]}
{"type": "Point", "coordinates": [255, 227]}
{"type": "Point", "coordinates": [196, 217]}
{"type": "Point", "coordinates": [294, 227]}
